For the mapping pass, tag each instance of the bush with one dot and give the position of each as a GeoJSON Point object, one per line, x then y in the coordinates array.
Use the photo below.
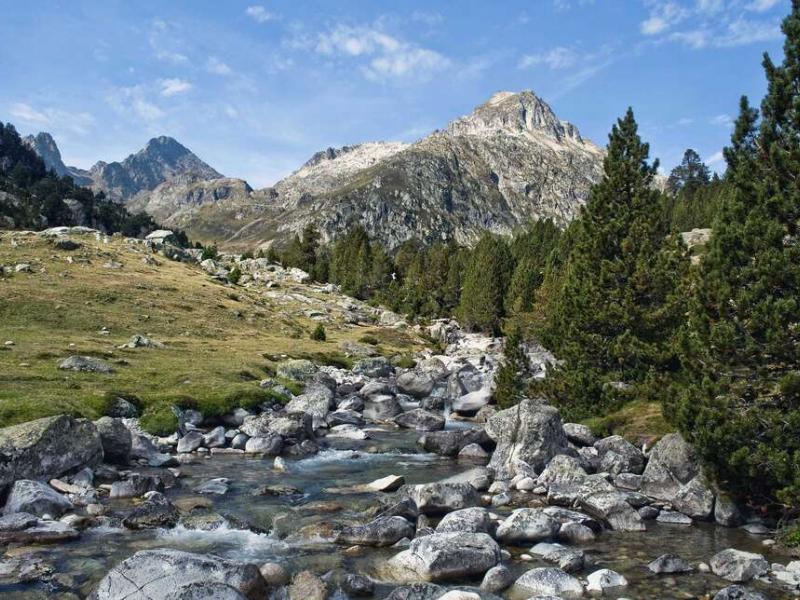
{"type": "Point", "coordinates": [159, 419]}
{"type": "Point", "coordinates": [319, 335]}
{"type": "Point", "coordinates": [406, 361]}
{"type": "Point", "coordinates": [369, 339]}
{"type": "Point", "coordinates": [235, 275]}
{"type": "Point", "coordinates": [209, 252]}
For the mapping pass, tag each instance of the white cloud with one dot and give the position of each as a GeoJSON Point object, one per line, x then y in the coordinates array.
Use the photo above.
{"type": "Point", "coordinates": [556, 58]}
{"type": "Point", "coordinates": [564, 5]}
{"type": "Point", "coordinates": [174, 57]}
{"type": "Point", "coordinates": [722, 120]}
{"type": "Point", "coordinates": [685, 121]}
{"type": "Point", "coordinates": [763, 5]}
{"type": "Point", "coordinates": [388, 57]}
{"type": "Point", "coordinates": [27, 113]}
{"type": "Point", "coordinates": [742, 32]}
{"type": "Point", "coordinates": [231, 111]}
{"type": "Point", "coordinates": [147, 110]}
{"type": "Point", "coordinates": [173, 87]}
{"type": "Point", "coordinates": [165, 40]}
{"type": "Point", "coordinates": [427, 18]}
{"type": "Point", "coordinates": [697, 39]}
{"type": "Point", "coordinates": [715, 158]}
{"type": "Point", "coordinates": [259, 14]}
{"type": "Point", "coordinates": [133, 101]}
{"type": "Point", "coordinates": [216, 66]}
{"type": "Point", "coordinates": [663, 16]}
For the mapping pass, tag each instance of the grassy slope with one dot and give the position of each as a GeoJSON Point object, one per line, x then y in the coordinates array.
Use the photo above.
{"type": "Point", "coordinates": [220, 341]}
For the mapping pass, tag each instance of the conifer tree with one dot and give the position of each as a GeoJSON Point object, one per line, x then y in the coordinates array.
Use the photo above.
{"type": "Point", "coordinates": [509, 380]}
{"type": "Point", "coordinates": [742, 342]}
{"type": "Point", "coordinates": [485, 285]}
{"type": "Point", "coordinates": [615, 307]}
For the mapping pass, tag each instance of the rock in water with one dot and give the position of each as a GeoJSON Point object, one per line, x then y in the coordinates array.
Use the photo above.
{"type": "Point", "coordinates": [606, 582]}
{"type": "Point", "coordinates": [383, 531]}
{"type": "Point", "coordinates": [421, 420]}
{"type": "Point", "coordinates": [48, 448]}
{"type": "Point", "coordinates": [445, 556]}
{"type": "Point", "coordinates": [669, 563]}
{"type": "Point", "coordinates": [438, 498]}
{"type": "Point", "coordinates": [613, 509]}
{"type": "Point", "coordinates": [530, 432]}
{"type": "Point", "coordinates": [155, 574]}
{"type": "Point", "coordinates": [737, 592]}
{"type": "Point", "coordinates": [35, 498]}
{"type": "Point", "coordinates": [548, 581]}
{"type": "Point", "coordinates": [467, 520]}
{"type": "Point", "coordinates": [156, 511]}
{"type": "Point", "coordinates": [528, 525]}
{"type": "Point", "coordinates": [738, 566]}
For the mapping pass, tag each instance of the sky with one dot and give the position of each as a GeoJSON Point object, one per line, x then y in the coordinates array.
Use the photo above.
{"type": "Point", "coordinates": [254, 89]}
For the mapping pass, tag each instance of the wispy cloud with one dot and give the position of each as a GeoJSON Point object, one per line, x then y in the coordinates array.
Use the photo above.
{"type": "Point", "coordinates": [173, 87]}
{"type": "Point", "coordinates": [564, 5]}
{"type": "Point", "coordinates": [218, 67]}
{"type": "Point", "coordinates": [166, 43]}
{"type": "Point", "coordinates": [387, 57]}
{"type": "Point", "coordinates": [763, 5]}
{"type": "Point", "coordinates": [134, 101]}
{"type": "Point", "coordinates": [556, 58]}
{"type": "Point", "coordinates": [722, 120]}
{"type": "Point", "coordinates": [715, 159]}
{"type": "Point", "coordinates": [259, 14]}
{"type": "Point", "coordinates": [27, 113]}
{"type": "Point", "coordinates": [428, 18]}
{"type": "Point", "coordinates": [52, 117]}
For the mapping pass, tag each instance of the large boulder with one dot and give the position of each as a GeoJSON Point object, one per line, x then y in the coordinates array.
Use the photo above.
{"type": "Point", "coordinates": [530, 432]}
{"type": "Point", "coordinates": [376, 366]}
{"type": "Point", "coordinates": [297, 370]}
{"type": "Point", "coordinates": [383, 531]}
{"type": "Point", "coordinates": [417, 385]}
{"type": "Point", "coordinates": [439, 498]}
{"type": "Point", "coordinates": [421, 420]}
{"type": "Point", "coordinates": [155, 574]}
{"type": "Point", "coordinates": [116, 440]}
{"type": "Point", "coordinates": [613, 510]}
{"type": "Point", "coordinates": [617, 455]}
{"type": "Point", "coordinates": [47, 448]}
{"type": "Point", "coordinates": [35, 498]}
{"type": "Point", "coordinates": [295, 426]}
{"type": "Point", "coordinates": [528, 525]}
{"type": "Point", "coordinates": [86, 364]}
{"type": "Point", "coordinates": [547, 581]}
{"type": "Point", "coordinates": [316, 401]}
{"type": "Point", "coordinates": [562, 469]}
{"type": "Point", "coordinates": [445, 556]}
{"type": "Point", "coordinates": [156, 511]}
{"type": "Point", "coordinates": [738, 566]}
{"type": "Point", "coordinates": [471, 402]}
{"type": "Point", "coordinates": [451, 442]}
{"type": "Point", "coordinates": [466, 520]}
{"type": "Point", "coordinates": [382, 408]}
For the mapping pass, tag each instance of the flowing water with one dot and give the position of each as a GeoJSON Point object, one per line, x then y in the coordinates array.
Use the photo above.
{"type": "Point", "coordinates": [274, 523]}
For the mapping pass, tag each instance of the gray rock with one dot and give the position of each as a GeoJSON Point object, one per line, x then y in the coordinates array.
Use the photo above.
{"type": "Point", "coordinates": [438, 498]}
{"type": "Point", "coordinates": [617, 455]}
{"type": "Point", "coordinates": [374, 367]}
{"type": "Point", "coordinates": [737, 592]}
{"type": "Point", "coordinates": [606, 582]}
{"type": "Point", "coordinates": [570, 560]}
{"type": "Point", "coordinates": [275, 575]}
{"type": "Point", "coordinates": [270, 445]}
{"type": "Point", "coordinates": [147, 572]}
{"type": "Point", "coordinates": [375, 388]}
{"type": "Point", "coordinates": [575, 533]}
{"type": "Point", "coordinates": [628, 481]}
{"type": "Point", "coordinates": [351, 403]}
{"type": "Point", "coordinates": [669, 563]}
{"type": "Point", "coordinates": [239, 441]}
{"type": "Point", "coordinates": [215, 438]}
{"type": "Point", "coordinates": [562, 469]}
{"type": "Point", "coordinates": [357, 585]}
{"type": "Point", "coordinates": [116, 440]}
{"type": "Point", "coordinates": [122, 409]}
{"type": "Point", "coordinates": [421, 420]}
{"type": "Point", "coordinates": [218, 485]}
{"type": "Point", "coordinates": [445, 556]}
{"type": "Point", "coordinates": [140, 341]}
{"type": "Point", "coordinates": [473, 451]}
{"type": "Point", "coordinates": [382, 408]}
{"type": "Point", "coordinates": [136, 485]}
{"type": "Point", "coordinates": [35, 498]}
{"type": "Point", "coordinates": [317, 402]}
{"type": "Point", "coordinates": [236, 418]}
{"type": "Point", "coordinates": [726, 512]}
{"type": "Point", "coordinates": [674, 518]}
{"type": "Point", "coordinates": [416, 385]}
{"type": "Point", "coordinates": [86, 364]}
{"type": "Point", "coordinates": [613, 509]}
{"type": "Point", "coordinates": [44, 532]}
{"type": "Point", "coordinates": [17, 522]}
{"type": "Point", "coordinates": [47, 448]}
{"type": "Point", "coordinates": [526, 525]}
{"type": "Point", "coordinates": [383, 531]}
{"type": "Point", "coordinates": [296, 370]}
{"type": "Point", "coordinates": [530, 432]}
{"type": "Point", "coordinates": [345, 417]}
{"type": "Point", "coordinates": [451, 442]}
{"type": "Point", "coordinates": [155, 511]}
{"type": "Point", "coordinates": [497, 579]}
{"type": "Point", "coordinates": [548, 581]}
{"type": "Point", "coordinates": [467, 520]}
{"type": "Point", "coordinates": [190, 442]}
{"type": "Point", "coordinates": [578, 434]}
{"type": "Point", "coordinates": [16, 571]}
{"type": "Point", "coordinates": [294, 426]}
{"type": "Point", "coordinates": [648, 513]}
{"type": "Point", "coordinates": [205, 590]}
{"type": "Point", "coordinates": [738, 566]}
{"type": "Point", "coordinates": [472, 402]}
{"type": "Point", "coordinates": [307, 586]}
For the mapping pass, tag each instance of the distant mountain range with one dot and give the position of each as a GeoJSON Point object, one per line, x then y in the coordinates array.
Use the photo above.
{"type": "Point", "coordinates": [510, 162]}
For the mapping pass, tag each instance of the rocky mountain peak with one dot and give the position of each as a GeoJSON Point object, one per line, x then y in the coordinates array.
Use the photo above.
{"type": "Point", "coordinates": [45, 146]}
{"type": "Point", "coordinates": [516, 113]}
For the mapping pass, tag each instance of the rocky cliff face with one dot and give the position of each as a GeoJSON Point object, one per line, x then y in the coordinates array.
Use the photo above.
{"type": "Point", "coordinates": [162, 160]}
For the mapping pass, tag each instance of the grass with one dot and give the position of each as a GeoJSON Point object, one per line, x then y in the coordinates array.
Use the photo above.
{"type": "Point", "coordinates": [212, 336]}
{"type": "Point", "coordinates": [637, 421]}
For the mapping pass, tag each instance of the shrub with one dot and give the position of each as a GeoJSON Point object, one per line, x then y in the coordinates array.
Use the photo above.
{"type": "Point", "coordinates": [159, 419]}
{"type": "Point", "coordinates": [369, 339]}
{"type": "Point", "coordinates": [235, 275]}
{"type": "Point", "coordinates": [209, 252]}
{"type": "Point", "coordinates": [319, 335]}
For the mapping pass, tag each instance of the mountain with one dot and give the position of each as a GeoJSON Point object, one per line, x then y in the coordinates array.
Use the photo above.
{"type": "Point", "coordinates": [162, 160]}
{"type": "Point", "coordinates": [45, 146]}
{"type": "Point", "coordinates": [509, 162]}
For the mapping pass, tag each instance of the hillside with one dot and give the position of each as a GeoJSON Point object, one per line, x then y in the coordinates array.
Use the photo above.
{"type": "Point", "coordinates": [220, 339]}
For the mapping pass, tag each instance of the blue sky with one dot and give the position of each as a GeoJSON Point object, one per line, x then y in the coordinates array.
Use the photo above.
{"type": "Point", "coordinates": [256, 88]}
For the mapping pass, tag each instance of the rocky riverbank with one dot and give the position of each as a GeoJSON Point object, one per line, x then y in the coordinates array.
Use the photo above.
{"type": "Point", "coordinates": [375, 481]}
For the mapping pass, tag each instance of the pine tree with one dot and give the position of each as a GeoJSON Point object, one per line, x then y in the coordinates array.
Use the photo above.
{"type": "Point", "coordinates": [509, 380]}
{"type": "Point", "coordinates": [691, 174]}
{"type": "Point", "coordinates": [742, 342]}
{"type": "Point", "coordinates": [615, 305]}
{"type": "Point", "coordinates": [485, 285]}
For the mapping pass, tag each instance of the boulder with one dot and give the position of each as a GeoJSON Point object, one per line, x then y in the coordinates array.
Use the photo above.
{"type": "Point", "coordinates": [345, 417]}
{"type": "Point", "coordinates": [316, 402]}
{"type": "Point", "coordinates": [307, 586]}
{"type": "Point", "coordinates": [606, 582]}
{"type": "Point", "coordinates": [472, 402]}
{"type": "Point", "coordinates": [451, 442]}
{"type": "Point", "coordinates": [416, 385]}
{"type": "Point", "coordinates": [617, 455]}
{"type": "Point", "coordinates": [473, 451]}
{"type": "Point", "coordinates": [737, 592]}
{"type": "Point", "coordinates": [497, 579]}
{"type": "Point", "coordinates": [155, 511]}
{"type": "Point", "coordinates": [526, 525]}
{"type": "Point", "coordinates": [547, 581]}
{"type": "Point", "coordinates": [390, 483]}
{"type": "Point", "coordinates": [738, 566]}
{"type": "Point", "coordinates": [43, 532]}
{"type": "Point", "coordinates": [421, 420]}
{"type": "Point", "coordinates": [613, 509]}
{"type": "Point", "coordinates": [726, 512]}
{"type": "Point", "coordinates": [296, 370]}
{"type": "Point", "coordinates": [35, 498]}
{"type": "Point", "coordinates": [48, 448]}
{"type": "Point", "coordinates": [439, 498]}
{"type": "Point", "coordinates": [136, 485]}
{"type": "Point", "coordinates": [569, 560]}
{"type": "Point", "coordinates": [445, 556]}
{"type": "Point", "coordinates": [122, 409]}
{"type": "Point", "coordinates": [580, 435]}
{"type": "Point", "coordinates": [373, 367]}
{"type": "Point", "coordinates": [357, 585]}
{"type": "Point", "coordinates": [530, 432]}
{"type": "Point", "coordinates": [669, 563]}
{"type": "Point", "coordinates": [190, 442]}
{"type": "Point", "coordinates": [382, 408]}
{"type": "Point", "coordinates": [294, 426]}
{"type": "Point", "coordinates": [215, 438]}
{"type": "Point", "coordinates": [155, 574]}
{"type": "Point", "coordinates": [562, 469]}
{"type": "Point", "coordinates": [86, 364]}
{"type": "Point", "coordinates": [383, 531]}
{"type": "Point", "coordinates": [116, 440]}
{"type": "Point", "coordinates": [275, 574]}
{"type": "Point", "coordinates": [467, 520]}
